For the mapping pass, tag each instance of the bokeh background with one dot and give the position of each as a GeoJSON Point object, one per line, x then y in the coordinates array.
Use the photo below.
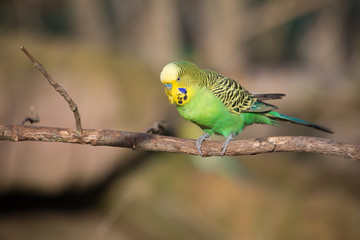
{"type": "Point", "coordinates": [108, 56]}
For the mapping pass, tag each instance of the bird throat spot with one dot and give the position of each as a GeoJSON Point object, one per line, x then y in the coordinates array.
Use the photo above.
{"type": "Point", "coordinates": [182, 96]}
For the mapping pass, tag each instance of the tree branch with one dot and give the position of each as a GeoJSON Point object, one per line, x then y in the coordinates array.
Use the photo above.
{"type": "Point", "coordinates": [158, 143]}
{"type": "Point", "coordinates": [59, 89]}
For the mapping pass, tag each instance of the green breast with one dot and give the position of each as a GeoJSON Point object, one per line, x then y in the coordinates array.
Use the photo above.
{"type": "Point", "coordinates": [207, 111]}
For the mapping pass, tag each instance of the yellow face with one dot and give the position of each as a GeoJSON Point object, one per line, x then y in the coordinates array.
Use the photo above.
{"type": "Point", "coordinates": [176, 91]}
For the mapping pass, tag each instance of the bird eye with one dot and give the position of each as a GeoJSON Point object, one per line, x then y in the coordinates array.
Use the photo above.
{"type": "Point", "coordinates": [168, 85]}
{"type": "Point", "coordinates": [178, 79]}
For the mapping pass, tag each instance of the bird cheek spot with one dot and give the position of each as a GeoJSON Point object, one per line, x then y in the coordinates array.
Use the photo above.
{"type": "Point", "coordinates": [183, 90]}
{"type": "Point", "coordinates": [185, 97]}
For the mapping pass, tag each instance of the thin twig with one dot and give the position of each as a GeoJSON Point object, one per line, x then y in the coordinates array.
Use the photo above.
{"type": "Point", "coordinates": [59, 89]}
{"type": "Point", "coordinates": [157, 128]}
{"type": "Point", "coordinates": [158, 143]}
{"type": "Point", "coordinates": [33, 117]}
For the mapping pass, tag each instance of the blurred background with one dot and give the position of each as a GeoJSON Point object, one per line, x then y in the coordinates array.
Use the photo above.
{"type": "Point", "coordinates": [108, 56]}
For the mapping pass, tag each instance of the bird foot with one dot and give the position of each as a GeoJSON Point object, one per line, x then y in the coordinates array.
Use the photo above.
{"type": "Point", "coordinates": [200, 140]}
{"type": "Point", "coordinates": [226, 144]}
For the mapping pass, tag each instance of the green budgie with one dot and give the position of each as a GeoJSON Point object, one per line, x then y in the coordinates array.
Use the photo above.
{"type": "Point", "coordinates": [218, 104]}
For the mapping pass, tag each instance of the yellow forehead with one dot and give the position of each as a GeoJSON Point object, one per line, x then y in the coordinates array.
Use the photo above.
{"type": "Point", "coordinates": [169, 73]}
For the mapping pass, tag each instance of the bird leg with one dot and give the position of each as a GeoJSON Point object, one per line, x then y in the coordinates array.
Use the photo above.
{"type": "Point", "coordinates": [226, 144]}
{"type": "Point", "coordinates": [200, 140]}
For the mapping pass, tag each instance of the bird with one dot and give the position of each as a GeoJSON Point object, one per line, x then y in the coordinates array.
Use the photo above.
{"type": "Point", "coordinates": [218, 104]}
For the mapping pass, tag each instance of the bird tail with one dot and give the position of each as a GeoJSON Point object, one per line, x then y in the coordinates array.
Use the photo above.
{"type": "Point", "coordinates": [278, 116]}
{"type": "Point", "coordinates": [268, 96]}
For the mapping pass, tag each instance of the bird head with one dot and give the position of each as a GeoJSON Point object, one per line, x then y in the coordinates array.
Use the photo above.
{"type": "Point", "coordinates": [179, 80]}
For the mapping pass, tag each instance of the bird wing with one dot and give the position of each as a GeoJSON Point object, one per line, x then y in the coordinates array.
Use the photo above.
{"type": "Point", "coordinates": [234, 97]}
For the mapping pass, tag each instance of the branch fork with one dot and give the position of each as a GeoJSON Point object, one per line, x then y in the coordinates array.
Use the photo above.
{"type": "Point", "coordinates": [59, 89]}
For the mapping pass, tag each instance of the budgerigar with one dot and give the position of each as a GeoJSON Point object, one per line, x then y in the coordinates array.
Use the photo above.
{"type": "Point", "coordinates": [218, 104]}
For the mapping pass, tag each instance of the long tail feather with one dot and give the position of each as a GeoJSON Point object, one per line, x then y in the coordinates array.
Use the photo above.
{"type": "Point", "coordinates": [268, 96]}
{"type": "Point", "coordinates": [275, 115]}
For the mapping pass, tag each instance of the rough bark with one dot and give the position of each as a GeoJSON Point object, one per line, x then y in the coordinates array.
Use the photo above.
{"type": "Point", "coordinates": [158, 143]}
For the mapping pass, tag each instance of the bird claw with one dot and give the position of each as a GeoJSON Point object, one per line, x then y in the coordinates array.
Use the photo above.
{"type": "Point", "coordinates": [226, 144]}
{"type": "Point", "coordinates": [200, 140]}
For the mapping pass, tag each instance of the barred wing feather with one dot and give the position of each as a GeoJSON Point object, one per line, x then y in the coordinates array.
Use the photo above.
{"type": "Point", "coordinates": [234, 97]}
